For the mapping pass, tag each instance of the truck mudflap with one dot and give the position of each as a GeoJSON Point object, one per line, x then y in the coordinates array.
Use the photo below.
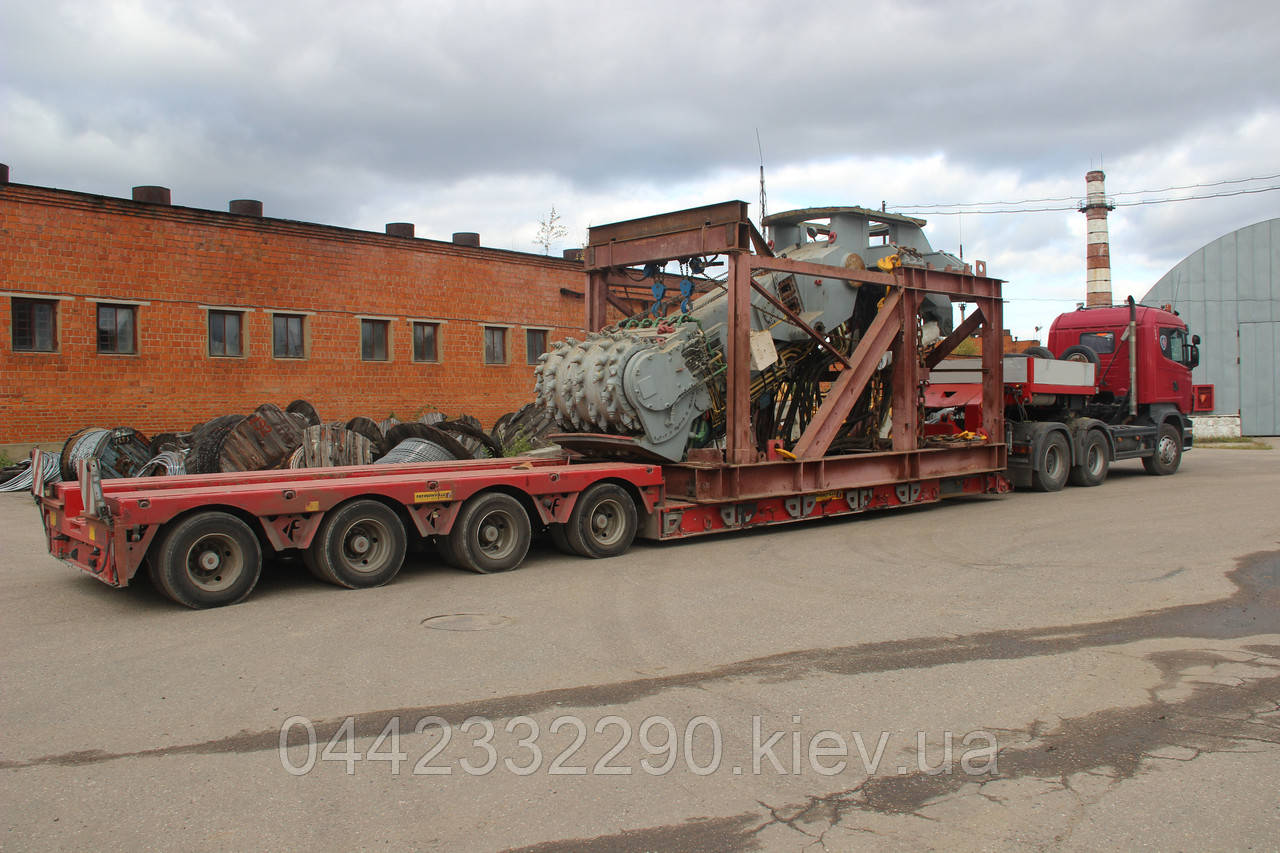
{"type": "Point", "coordinates": [677, 519]}
{"type": "Point", "coordinates": [79, 529]}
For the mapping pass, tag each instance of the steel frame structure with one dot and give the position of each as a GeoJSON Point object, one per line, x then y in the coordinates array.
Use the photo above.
{"type": "Point", "coordinates": [724, 229]}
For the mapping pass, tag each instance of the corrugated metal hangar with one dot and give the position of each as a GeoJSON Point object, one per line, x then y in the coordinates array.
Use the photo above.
{"type": "Point", "coordinates": [1228, 292]}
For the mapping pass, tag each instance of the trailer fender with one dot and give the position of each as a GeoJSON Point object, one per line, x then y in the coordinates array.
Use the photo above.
{"type": "Point", "coordinates": [1036, 433]}
{"type": "Point", "coordinates": [1162, 413]}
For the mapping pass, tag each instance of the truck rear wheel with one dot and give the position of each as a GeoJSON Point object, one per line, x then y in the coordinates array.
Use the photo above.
{"type": "Point", "coordinates": [360, 544]}
{"type": "Point", "coordinates": [491, 534]}
{"type": "Point", "coordinates": [1167, 455]}
{"type": "Point", "coordinates": [1049, 473]}
{"type": "Point", "coordinates": [1094, 463]}
{"type": "Point", "coordinates": [208, 559]}
{"type": "Point", "coordinates": [603, 522]}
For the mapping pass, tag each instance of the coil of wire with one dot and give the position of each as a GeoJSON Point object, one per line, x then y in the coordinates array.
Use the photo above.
{"type": "Point", "coordinates": [24, 478]}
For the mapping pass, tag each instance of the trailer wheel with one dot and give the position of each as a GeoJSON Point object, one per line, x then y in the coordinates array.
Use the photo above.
{"type": "Point", "coordinates": [1168, 452]}
{"type": "Point", "coordinates": [1094, 463]}
{"type": "Point", "coordinates": [360, 544]}
{"type": "Point", "coordinates": [491, 534]}
{"type": "Point", "coordinates": [1049, 474]}
{"type": "Point", "coordinates": [603, 522]}
{"type": "Point", "coordinates": [560, 539]}
{"type": "Point", "coordinates": [207, 560]}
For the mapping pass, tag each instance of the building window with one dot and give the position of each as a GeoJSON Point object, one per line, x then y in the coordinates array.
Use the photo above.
{"type": "Point", "coordinates": [286, 333]}
{"type": "Point", "coordinates": [535, 344]}
{"type": "Point", "coordinates": [117, 328]}
{"type": "Point", "coordinates": [225, 337]}
{"type": "Point", "coordinates": [425, 337]}
{"type": "Point", "coordinates": [495, 345]}
{"type": "Point", "coordinates": [373, 340]}
{"type": "Point", "coordinates": [35, 325]}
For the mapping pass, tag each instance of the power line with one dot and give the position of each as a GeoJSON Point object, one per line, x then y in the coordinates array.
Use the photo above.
{"type": "Point", "coordinates": [911, 211]}
{"type": "Point", "coordinates": [1074, 197]}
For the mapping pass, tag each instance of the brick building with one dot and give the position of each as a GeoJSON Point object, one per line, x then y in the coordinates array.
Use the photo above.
{"type": "Point", "coordinates": [117, 312]}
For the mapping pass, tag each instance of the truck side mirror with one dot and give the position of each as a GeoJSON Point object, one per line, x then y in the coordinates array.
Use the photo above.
{"type": "Point", "coordinates": [1195, 339]}
{"type": "Point", "coordinates": [1193, 357]}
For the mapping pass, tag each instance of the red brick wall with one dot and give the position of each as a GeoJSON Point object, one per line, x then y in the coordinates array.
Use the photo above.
{"type": "Point", "coordinates": [179, 260]}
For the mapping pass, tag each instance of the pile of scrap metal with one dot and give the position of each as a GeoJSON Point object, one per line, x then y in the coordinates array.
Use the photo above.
{"type": "Point", "coordinates": [294, 437]}
{"type": "Point", "coordinates": [653, 385]}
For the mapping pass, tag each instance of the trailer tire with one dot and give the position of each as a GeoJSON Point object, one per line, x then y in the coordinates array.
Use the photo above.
{"type": "Point", "coordinates": [209, 559]}
{"type": "Point", "coordinates": [1167, 455]}
{"type": "Point", "coordinates": [360, 544]}
{"type": "Point", "coordinates": [491, 534]}
{"type": "Point", "coordinates": [560, 539]}
{"type": "Point", "coordinates": [1094, 464]}
{"type": "Point", "coordinates": [603, 522]}
{"type": "Point", "coordinates": [1053, 465]}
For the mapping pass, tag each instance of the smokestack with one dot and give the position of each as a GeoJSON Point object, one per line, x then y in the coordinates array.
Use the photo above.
{"type": "Point", "coordinates": [151, 195]}
{"type": "Point", "coordinates": [466, 238]}
{"type": "Point", "coordinates": [245, 207]}
{"type": "Point", "coordinates": [400, 229]}
{"type": "Point", "coordinates": [1098, 254]}
{"type": "Point", "coordinates": [4, 173]}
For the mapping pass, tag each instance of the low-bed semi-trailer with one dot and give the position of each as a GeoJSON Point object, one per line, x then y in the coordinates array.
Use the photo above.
{"type": "Point", "coordinates": [946, 428]}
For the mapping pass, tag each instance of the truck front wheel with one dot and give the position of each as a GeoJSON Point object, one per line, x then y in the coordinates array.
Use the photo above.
{"type": "Point", "coordinates": [1166, 457]}
{"type": "Point", "coordinates": [207, 560]}
{"type": "Point", "coordinates": [1049, 474]}
{"type": "Point", "coordinates": [1094, 464]}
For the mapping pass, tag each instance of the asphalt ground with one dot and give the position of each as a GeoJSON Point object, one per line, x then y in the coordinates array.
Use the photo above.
{"type": "Point", "coordinates": [1104, 663]}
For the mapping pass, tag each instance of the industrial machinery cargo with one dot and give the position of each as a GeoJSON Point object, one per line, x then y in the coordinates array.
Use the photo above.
{"type": "Point", "coordinates": [814, 381]}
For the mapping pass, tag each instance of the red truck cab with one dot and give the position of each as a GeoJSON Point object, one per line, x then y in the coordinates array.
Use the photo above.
{"type": "Point", "coordinates": [1165, 352]}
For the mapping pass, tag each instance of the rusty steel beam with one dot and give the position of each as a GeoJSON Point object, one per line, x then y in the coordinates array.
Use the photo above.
{"type": "Point", "coordinates": [693, 219]}
{"type": "Point", "coordinates": [993, 368]}
{"type": "Point", "coordinates": [848, 387]}
{"type": "Point", "coordinates": [797, 322]}
{"type": "Point", "coordinates": [739, 444]}
{"type": "Point", "coordinates": [597, 301]}
{"type": "Point", "coordinates": [949, 344]}
{"type": "Point", "coordinates": [762, 247]}
{"type": "Point", "coordinates": [906, 375]}
{"type": "Point", "coordinates": [823, 271]}
{"type": "Point", "coordinates": [711, 483]}
{"type": "Point", "coordinates": [713, 240]}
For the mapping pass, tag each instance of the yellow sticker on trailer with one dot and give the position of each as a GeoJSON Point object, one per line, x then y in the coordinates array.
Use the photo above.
{"type": "Point", "coordinates": [433, 497]}
{"type": "Point", "coordinates": [92, 534]}
{"type": "Point", "coordinates": [828, 496]}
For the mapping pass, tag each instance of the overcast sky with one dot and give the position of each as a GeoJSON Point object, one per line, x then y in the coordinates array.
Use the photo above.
{"type": "Point", "coordinates": [479, 116]}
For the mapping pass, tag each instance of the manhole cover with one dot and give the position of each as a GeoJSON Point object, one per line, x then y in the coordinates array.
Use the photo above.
{"type": "Point", "coordinates": [466, 621]}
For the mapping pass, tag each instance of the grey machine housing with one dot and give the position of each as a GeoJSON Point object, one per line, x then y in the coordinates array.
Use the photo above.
{"type": "Point", "coordinates": [651, 384]}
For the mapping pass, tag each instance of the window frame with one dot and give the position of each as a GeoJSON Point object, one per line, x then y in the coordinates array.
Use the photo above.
{"type": "Point", "coordinates": [32, 303]}
{"type": "Point", "coordinates": [382, 324]}
{"type": "Point", "coordinates": [302, 335]}
{"type": "Point", "coordinates": [436, 327]}
{"type": "Point", "coordinates": [529, 331]}
{"type": "Point", "coordinates": [117, 308]}
{"type": "Point", "coordinates": [223, 314]}
{"type": "Point", "coordinates": [1102, 336]}
{"type": "Point", "coordinates": [506, 349]}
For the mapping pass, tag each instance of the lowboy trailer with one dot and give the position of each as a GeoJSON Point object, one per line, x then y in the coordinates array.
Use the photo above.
{"type": "Point", "coordinates": [813, 383]}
